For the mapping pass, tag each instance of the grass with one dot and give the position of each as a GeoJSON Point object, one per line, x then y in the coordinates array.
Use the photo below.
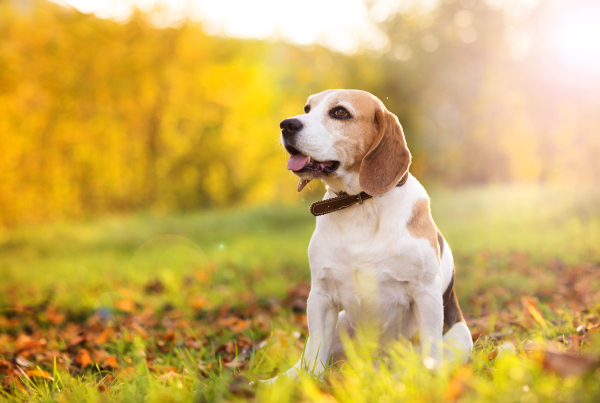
{"type": "Point", "coordinates": [177, 308]}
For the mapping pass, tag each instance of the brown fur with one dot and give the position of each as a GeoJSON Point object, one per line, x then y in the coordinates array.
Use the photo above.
{"type": "Point", "coordinates": [373, 142]}
{"type": "Point", "coordinates": [421, 224]}
{"type": "Point", "coordinates": [452, 312]}
{"type": "Point", "coordinates": [360, 131]}
{"type": "Point", "coordinates": [388, 158]}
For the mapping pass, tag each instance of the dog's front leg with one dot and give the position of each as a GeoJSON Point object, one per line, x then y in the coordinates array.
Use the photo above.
{"type": "Point", "coordinates": [430, 311]}
{"type": "Point", "coordinates": [322, 316]}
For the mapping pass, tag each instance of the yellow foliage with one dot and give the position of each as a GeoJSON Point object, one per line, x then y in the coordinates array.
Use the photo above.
{"type": "Point", "coordinates": [100, 116]}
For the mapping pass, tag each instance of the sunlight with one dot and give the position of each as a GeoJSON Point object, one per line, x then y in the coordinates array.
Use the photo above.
{"type": "Point", "coordinates": [573, 35]}
{"type": "Point", "coordinates": [313, 21]}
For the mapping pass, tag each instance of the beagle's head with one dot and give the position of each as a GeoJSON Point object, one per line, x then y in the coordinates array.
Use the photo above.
{"type": "Point", "coordinates": [346, 134]}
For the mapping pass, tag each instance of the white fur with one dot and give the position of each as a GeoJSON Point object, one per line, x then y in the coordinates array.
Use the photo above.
{"type": "Point", "coordinates": [364, 261]}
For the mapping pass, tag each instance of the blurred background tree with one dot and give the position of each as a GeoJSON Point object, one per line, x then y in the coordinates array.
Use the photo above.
{"type": "Point", "coordinates": [102, 116]}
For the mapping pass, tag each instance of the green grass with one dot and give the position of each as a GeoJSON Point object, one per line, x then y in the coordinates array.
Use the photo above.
{"type": "Point", "coordinates": [224, 279]}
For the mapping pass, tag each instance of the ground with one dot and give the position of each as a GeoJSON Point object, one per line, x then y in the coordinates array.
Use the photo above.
{"type": "Point", "coordinates": [190, 307]}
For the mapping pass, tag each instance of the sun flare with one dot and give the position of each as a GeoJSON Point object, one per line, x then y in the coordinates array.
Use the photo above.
{"type": "Point", "coordinates": [573, 35]}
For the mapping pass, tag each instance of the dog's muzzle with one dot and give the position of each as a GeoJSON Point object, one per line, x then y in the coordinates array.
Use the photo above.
{"type": "Point", "coordinates": [298, 162]}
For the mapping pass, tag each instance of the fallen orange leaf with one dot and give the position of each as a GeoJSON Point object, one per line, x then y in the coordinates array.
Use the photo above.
{"type": "Point", "coordinates": [457, 384]}
{"type": "Point", "coordinates": [127, 373]}
{"type": "Point", "coordinates": [38, 373]}
{"type": "Point", "coordinates": [566, 364]}
{"type": "Point", "coordinates": [110, 361]}
{"type": "Point", "coordinates": [124, 305]}
{"type": "Point", "coordinates": [54, 317]}
{"type": "Point", "coordinates": [83, 358]}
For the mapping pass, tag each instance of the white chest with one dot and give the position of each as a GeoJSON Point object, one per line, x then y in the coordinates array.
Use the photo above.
{"type": "Point", "coordinates": [364, 266]}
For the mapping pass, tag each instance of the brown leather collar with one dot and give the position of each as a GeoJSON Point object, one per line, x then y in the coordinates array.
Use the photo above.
{"type": "Point", "coordinates": [344, 200]}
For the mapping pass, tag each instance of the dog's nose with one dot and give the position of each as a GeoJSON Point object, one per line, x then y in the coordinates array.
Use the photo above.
{"type": "Point", "coordinates": [290, 126]}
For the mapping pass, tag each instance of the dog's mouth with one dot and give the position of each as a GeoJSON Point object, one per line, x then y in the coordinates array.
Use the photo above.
{"type": "Point", "coordinates": [300, 163]}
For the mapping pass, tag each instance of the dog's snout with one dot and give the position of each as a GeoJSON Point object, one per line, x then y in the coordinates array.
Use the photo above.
{"type": "Point", "coordinates": [290, 126]}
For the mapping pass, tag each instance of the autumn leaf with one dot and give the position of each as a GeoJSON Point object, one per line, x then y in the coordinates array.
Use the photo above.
{"type": "Point", "coordinates": [110, 361]}
{"type": "Point", "coordinates": [127, 373]}
{"type": "Point", "coordinates": [457, 383]}
{"type": "Point", "coordinates": [5, 366]}
{"type": "Point", "coordinates": [105, 335]}
{"type": "Point", "coordinates": [124, 305]}
{"type": "Point", "coordinates": [568, 364]}
{"type": "Point", "coordinates": [23, 362]}
{"type": "Point", "coordinates": [26, 344]}
{"type": "Point", "coordinates": [83, 358]}
{"type": "Point", "coordinates": [55, 317]}
{"type": "Point", "coordinates": [38, 373]}
{"type": "Point", "coordinates": [169, 337]}
{"type": "Point", "coordinates": [77, 341]}
{"type": "Point", "coordinates": [198, 302]}
{"type": "Point", "coordinates": [140, 331]}
{"type": "Point", "coordinates": [164, 369]}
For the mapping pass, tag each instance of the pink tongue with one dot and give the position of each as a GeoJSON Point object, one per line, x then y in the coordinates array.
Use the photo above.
{"type": "Point", "coordinates": [297, 162]}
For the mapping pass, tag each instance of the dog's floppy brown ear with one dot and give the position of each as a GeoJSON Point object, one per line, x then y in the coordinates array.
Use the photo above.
{"type": "Point", "coordinates": [388, 158]}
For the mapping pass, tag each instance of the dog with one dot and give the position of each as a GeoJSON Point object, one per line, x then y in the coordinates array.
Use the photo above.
{"type": "Point", "coordinates": [376, 252]}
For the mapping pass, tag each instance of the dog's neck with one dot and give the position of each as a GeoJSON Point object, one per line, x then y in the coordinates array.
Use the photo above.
{"type": "Point", "coordinates": [347, 183]}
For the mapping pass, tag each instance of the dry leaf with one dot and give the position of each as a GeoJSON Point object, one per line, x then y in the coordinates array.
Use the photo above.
{"type": "Point", "coordinates": [127, 373]}
{"type": "Point", "coordinates": [5, 366]}
{"type": "Point", "coordinates": [38, 373]}
{"type": "Point", "coordinates": [105, 335]}
{"type": "Point", "coordinates": [110, 361]}
{"type": "Point", "coordinates": [83, 358]}
{"type": "Point", "coordinates": [55, 317]}
{"type": "Point", "coordinates": [23, 362]}
{"type": "Point", "coordinates": [124, 305]}
{"type": "Point", "coordinates": [566, 364]}
{"type": "Point", "coordinates": [76, 341]}
{"type": "Point", "coordinates": [457, 384]}
{"type": "Point", "coordinates": [140, 331]}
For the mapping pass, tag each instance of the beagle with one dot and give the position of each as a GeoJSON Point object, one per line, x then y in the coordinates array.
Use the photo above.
{"type": "Point", "coordinates": [380, 258]}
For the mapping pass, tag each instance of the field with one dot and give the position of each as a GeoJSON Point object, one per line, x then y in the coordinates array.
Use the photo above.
{"type": "Point", "coordinates": [191, 307]}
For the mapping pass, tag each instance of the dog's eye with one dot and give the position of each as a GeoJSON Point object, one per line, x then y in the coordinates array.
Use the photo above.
{"type": "Point", "coordinates": [307, 109]}
{"type": "Point", "coordinates": [340, 113]}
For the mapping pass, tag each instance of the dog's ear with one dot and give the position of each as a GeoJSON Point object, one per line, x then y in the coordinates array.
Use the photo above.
{"type": "Point", "coordinates": [388, 158]}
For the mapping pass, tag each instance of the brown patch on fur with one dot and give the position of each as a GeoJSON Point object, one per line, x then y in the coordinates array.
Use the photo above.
{"type": "Point", "coordinates": [359, 131]}
{"type": "Point", "coordinates": [452, 312]}
{"type": "Point", "coordinates": [421, 224]}
{"type": "Point", "coordinates": [370, 143]}
{"type": "Point", "coordinates": [388, 158]}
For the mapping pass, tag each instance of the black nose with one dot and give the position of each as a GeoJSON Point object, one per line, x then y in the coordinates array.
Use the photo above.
{"type": "Point", "coordinates": [290, 126]}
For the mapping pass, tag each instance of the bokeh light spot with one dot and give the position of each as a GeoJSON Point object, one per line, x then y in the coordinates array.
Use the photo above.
{"type": "Point", "coordinates": [447, 116]}
{"type": "Point", "coordinates": [572, 34]}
